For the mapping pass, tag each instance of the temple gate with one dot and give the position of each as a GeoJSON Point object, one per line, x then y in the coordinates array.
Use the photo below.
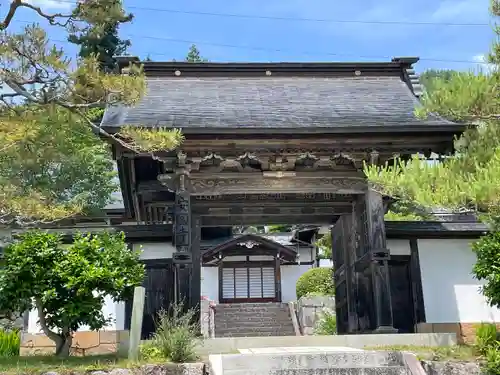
{"type": "Point", "coordinates": [279, 143]}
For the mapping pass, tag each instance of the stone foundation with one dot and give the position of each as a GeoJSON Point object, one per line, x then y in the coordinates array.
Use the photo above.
{"type": "Point", "coordinates": [166, 369]}
{"type": "Point", "coordinates": [309, 310]}
{"type": "Point", "coordinates": [84, 343]}
{"type": "Point", "coordinates": [466, 332]}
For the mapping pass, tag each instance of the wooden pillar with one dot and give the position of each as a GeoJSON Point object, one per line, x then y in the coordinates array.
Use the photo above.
{"type": "Point", "coordinates": [197, 263]}
{"type": "Point", "coordinates": [379, 266]}
{"type": "Point", "coordinates": [182, 241]}
{"type": "Point", "coordinates": [277, 277]}
{"type": "Point", "coordinates": [344, 256]}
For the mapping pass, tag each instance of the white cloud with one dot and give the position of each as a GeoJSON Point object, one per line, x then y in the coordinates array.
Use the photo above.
{"type": "Point", "coordinates": [462, 11]}
{"type": "Point", "coordinates": [482, 63]}
{"type": "Point", "coordinates": [52, 4]}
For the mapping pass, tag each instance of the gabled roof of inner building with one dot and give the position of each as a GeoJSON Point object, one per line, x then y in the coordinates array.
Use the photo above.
{"type": "Point", "coordinates": [257, 242]}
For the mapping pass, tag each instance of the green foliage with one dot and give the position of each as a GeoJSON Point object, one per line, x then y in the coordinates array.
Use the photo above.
{"type": "Point", "coordinates": [150, 351]}
{"type": "Point", "coordinates": [327, 323]}
{"type": "Point", "coordinates": [10, 343]}
{"type": "Point", "coordinates": [279, 228]}
{"type": "Point", "coordinates": [491, 366]}
{"type": "Point", "coordinates": [59, 159]}
{"type": "Point", "coordinates": [316, 281]}
{"type": "Point", "coordinates": [194, 55]}
{"type": "Point", "coordinates": [488, 346]}
{"type": "Point", "coordinates": [467, 179]}
{"type": "Point", "coordinates": [44, 92]}
{"type": "Point", "coordinates": [67, 284]}
{"type": "Point", "coordinates": [325, 246]}
{"type": "Point", "coordinates": [486, 337]}
{"type": "Point", "coordinates": [428, 77]}
{"type": "Point", "coordinates": [176, 335]}
{"type": "Point", "coordinates": [487, 250]}
{"type": "Point", "coordinates": [104, 43]}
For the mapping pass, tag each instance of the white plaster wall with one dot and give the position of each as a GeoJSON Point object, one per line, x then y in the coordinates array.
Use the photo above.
{"type": "Point", "coordinates": [116, 310]}
{"type": "Point", "coordinates": [155, 250]}
{"type": "Point", "coordinates": [306, 254]}
{"type": "Point", "coordinates": [289, 276]}
{"type": "Point", "coordinates": [399, 247]}
{"type": "Point", "coordinates": [451, 294]}
{"type": "Point", "coordinates": [210, 283]}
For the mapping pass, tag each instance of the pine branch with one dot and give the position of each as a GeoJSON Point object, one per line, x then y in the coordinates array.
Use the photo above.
{"type": "Point", "coordinates": [16, 4]}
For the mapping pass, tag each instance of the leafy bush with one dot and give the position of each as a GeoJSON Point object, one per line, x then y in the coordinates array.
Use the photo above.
{"type": "Point", "coordinates": [327, 324]}
{"type": "Point", "coordinates": [149, 351]}
{"type": "Point", "coordinates": [177, 335]}
{"type": "Point", "coordinates": [487, 266]}
{"type": "Point", "coordinates": [492, 364]}
{"type": "Point", "coordinates": [488, 346]}
{"type": "Point", "coordinates": [486, 337]}
{"type": "Point", "coordinates": [316, 281]}
{"type": "Point", "coordinates": [67, 283]}
{"type": "Point", "coordinates": [10, 343]}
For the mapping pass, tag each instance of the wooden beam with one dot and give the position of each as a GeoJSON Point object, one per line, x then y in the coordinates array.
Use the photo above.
{"type": "Point", "coordinates": [251, 183]}
{"type": "Point", "coordinates": [271, 211]}
{"type": "Point", "coordinates": [227, 221]}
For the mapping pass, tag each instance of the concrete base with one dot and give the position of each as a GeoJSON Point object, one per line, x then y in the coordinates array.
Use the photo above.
{"type": "Point", "coordinates": [233, 344]}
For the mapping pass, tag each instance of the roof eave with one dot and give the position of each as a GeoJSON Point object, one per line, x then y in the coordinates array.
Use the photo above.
{"type": "Point", "coordinates": [445, 127]}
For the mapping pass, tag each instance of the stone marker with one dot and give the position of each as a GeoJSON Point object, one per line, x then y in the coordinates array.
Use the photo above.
{"type": "Point", "coordinates": [136, 323]}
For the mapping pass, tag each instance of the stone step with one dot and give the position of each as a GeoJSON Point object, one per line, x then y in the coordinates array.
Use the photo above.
{"type": "Point", "coordinates": [228, 325]}
{"type": "Point", "coordinates": [250, 327]}
{"type": "Point", "coordinates": [250, 308]}
{"type": "Point", "coordinates": [311, 363]}
{"type": "Point", "coordinates": [255, 334]}
{"type": "Point", "coordinates": [251, 317]}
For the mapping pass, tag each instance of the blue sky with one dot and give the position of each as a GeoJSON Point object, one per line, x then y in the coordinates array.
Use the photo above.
{"type": "Point", "coordinates": [167, 35]}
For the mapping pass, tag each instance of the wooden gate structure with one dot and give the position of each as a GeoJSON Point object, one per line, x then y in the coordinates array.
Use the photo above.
{"type": "Point", "coordinates": [279, 143]}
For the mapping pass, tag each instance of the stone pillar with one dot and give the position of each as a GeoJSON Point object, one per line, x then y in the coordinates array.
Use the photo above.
{"type": "Point", "coordinates": [379, 267]}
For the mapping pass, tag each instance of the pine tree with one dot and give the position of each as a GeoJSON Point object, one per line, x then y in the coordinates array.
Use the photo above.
{"type": "Point", "coordinates": [103, 43]}
{"type": "Point", "coordinates": [52, 164]}
{"type": "Point", "coordinates": [467, 180]}
{"type": "Point", "coordinates": [194, 55]}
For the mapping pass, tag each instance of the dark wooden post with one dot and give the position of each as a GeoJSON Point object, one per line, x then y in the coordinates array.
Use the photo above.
{"type": "Point", "coordinates": [344, 257]}
{"type": "Point", "coordinates": [277, 277]}
{"type": "Point", "coordinates": [182, 241]}
{"type": "Point", "coordinates": [196, 266]}
{"type": "Point", "coordinates": [379, 262]}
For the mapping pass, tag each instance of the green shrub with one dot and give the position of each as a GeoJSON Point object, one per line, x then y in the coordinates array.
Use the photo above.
{"type": "Point", "coordinates": [486, 337]}
{"type": "Point", "coordinates": [149, 351]}
{"type": "Point", "coordinates": [10, 343]}
{"type": "Point", "coordinates": [327, 324]}
{"type": "Point", "coordinates": [177, 335]}
{"type": "Point", "coordinates": [316, 281]}
{"type": "Point", "coordinates": [492, 364]}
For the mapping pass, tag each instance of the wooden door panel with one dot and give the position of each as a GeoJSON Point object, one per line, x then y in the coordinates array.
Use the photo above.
{"type": "Point", "coordinates": [402, 296]}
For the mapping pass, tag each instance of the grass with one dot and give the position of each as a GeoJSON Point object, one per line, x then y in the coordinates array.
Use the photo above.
{"type": "Point", "coordinates": [442, 353]}
{"type": "Point", "coordinates": [35, 365]}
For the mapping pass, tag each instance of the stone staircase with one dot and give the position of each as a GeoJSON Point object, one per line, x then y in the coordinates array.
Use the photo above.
{"type": "Point", "coordinates": [253, 319]}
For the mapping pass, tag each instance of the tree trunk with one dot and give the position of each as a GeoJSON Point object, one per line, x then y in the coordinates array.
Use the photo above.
{"type": "Point", "coordinates": [63, 346]}
{"type": "Point", "coordinates": [63, 341]}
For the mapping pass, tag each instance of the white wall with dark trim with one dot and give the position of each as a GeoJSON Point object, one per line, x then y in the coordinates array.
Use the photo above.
{"type": "Point", "coordinates": [451, 293]}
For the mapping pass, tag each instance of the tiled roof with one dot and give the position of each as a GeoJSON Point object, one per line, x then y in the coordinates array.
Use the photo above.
{"type": "Point", "coordinates": [273, 102]}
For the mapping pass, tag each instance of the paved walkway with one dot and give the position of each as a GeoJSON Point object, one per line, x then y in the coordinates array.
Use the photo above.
{"type": "Point", "coordinates": [299, 349]}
